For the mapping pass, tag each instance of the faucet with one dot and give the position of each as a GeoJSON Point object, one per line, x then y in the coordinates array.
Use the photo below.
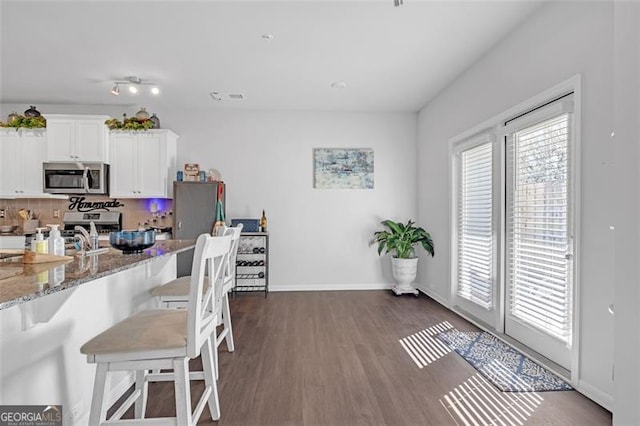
{"type": "Point", "coordinates": [88, 242]}
{"type": "Point", "coordinates": [83, 237]}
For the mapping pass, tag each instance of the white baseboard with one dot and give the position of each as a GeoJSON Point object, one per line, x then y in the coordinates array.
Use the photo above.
{"type": "Point", "coordinates": [441, 300]}
{"type": "Point", "coordinates": [329, 287]}
{"type": "Point", "coordinates": [593, 393]}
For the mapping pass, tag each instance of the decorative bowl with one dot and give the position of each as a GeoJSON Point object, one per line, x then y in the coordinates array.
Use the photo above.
{"type": "Point", "coordinates": [132, 241]}
{"type": "Point", "coordinates": [7, 229]}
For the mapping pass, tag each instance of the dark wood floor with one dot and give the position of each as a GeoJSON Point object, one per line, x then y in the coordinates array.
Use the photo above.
{"type": "Point", "coordinates": [333, 358]}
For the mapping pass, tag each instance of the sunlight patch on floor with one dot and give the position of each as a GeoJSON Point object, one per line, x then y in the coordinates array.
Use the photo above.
{"type": "Point", "coordinates": [424, 347]}
{"type": "Point", "coordinates": [478, 402]}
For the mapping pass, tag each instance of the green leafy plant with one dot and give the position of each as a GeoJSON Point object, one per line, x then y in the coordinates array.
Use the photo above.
{"type": "Point", "coordinates": [129, 124]}
{"type": "Point", "coordinates": [26, 122]}
{"type": "Point", "coordinates": [402, 239]}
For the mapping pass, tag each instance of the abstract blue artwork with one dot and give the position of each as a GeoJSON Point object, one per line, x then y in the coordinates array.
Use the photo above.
{"type": "Point", "coordinates": [343, 168]}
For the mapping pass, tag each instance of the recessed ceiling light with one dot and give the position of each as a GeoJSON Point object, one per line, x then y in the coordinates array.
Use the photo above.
{"type": "Point", "coordinates": [339, 85]}
{"type": "Point", "coordinates": [133, 89]}
{"type": "Point", "coordinates": [267, 36]}
{"type": "Point", "coordinates": [155, 90]}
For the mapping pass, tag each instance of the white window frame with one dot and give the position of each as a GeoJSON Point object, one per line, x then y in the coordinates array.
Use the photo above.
{"type": "Point", "coordinates": [496, 123]}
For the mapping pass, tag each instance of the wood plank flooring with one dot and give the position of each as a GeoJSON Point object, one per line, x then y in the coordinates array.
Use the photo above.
{"type": "Point", "coordinates": [334, 358]}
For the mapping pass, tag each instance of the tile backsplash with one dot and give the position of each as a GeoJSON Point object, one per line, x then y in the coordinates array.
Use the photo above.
{"type": "Point", "coordinates": [134, 211]}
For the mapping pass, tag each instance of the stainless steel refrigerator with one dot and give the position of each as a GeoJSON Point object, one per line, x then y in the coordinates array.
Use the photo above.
{"type": "Point", "coordinates": [194, 213]}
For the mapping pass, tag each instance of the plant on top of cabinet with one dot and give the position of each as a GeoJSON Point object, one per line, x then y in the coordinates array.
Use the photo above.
{"type": "Point", "coordinates": [20, 121]}
{"type": "Point", "coordinates": [129, 124]}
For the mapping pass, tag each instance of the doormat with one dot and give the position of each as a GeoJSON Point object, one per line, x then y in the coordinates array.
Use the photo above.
{"type": "Point", "coordinates": [505, 367]}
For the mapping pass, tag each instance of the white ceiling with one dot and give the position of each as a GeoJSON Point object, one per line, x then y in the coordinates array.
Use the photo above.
{"type": "Point", "coordinates": [391, 58]}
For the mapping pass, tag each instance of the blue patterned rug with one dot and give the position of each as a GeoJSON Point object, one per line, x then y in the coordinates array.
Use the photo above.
{"type": "Point", "coordinates": [506, 368]}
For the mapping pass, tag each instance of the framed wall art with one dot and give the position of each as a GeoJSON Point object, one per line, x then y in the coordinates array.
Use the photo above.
{"type": "Point", "coordinates": [343, 168]}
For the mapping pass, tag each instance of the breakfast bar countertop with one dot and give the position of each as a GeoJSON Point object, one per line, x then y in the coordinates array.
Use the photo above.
{"type": "Point", "coordinates": [20, 283]}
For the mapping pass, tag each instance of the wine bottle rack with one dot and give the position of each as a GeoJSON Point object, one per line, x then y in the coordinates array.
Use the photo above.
{"type": "Point", "coordinates": [252, 263]}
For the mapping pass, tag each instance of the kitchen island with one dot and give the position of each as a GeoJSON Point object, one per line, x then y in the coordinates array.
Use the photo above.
{"type": "Point", "coordinates": [48, 311]}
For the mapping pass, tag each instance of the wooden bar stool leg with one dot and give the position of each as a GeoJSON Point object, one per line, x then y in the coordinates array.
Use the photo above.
{"type": "Point", "coordinates": [183, 391]}
{"type": "Point", "coordinates": [98, 412]}
{"type": "Point", "coordinates": [141, 402]}
{"type": "Point", "coordinates": [207, 355]}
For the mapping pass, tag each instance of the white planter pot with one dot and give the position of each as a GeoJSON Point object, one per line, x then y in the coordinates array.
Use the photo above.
{"type": "Point", "coordinates": [404, 272]}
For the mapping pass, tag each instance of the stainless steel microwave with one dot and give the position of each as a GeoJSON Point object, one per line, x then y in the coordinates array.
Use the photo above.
{"type": "Point", "coordinates": [75, 178]}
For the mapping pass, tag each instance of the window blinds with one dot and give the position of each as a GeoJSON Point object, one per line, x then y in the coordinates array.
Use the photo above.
{"type": "Point", "coordinates": [475, 225]}
{"type": "Point", "coordinates": [538, 271]}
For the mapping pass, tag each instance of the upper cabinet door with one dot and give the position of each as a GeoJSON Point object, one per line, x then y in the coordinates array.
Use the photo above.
{"type": "Point", "coordinates": [60, 140]}
{"type": "Point", "coordinates": [77, 138]}
{"type": "Point", "coordinates": [123, 147]}
{"type": "Point", "coordinates": [32, 155]}
{"type": "Point", "coordinates": [9, 144]}
{"type": "Point", "coordinates": [21, 156]}
{"type": "Point", "coordinates": [151, 170]}
{"type": "Point", "coordinates": [90, 138]}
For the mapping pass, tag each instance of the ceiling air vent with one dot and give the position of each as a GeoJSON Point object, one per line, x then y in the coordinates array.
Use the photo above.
{"type": "Point", "coordinates": [219, 96]}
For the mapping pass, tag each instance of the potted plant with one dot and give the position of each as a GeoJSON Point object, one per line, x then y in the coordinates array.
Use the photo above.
{"type": "Point", "coordinates": [401, 240]}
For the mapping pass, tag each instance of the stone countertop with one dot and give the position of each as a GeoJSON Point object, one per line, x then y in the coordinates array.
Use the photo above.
{"type": "Point", "coordinates": [20, 283]}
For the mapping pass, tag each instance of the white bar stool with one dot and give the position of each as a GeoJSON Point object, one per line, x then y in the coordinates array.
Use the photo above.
{"type": "Point", "coordinates": [175, 294]}
{"type": "Point", "coordinates": [165, 339]}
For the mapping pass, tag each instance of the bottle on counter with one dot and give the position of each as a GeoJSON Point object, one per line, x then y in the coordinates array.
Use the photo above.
{"type": "Point", "coordinates": [39, 245]}
{"type": "Point", "coordinates": [263, 222]}
{"type": "Point", "coordinates": [55, 241]}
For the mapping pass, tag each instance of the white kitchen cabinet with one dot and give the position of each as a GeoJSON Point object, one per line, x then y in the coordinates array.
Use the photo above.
{"type": "Point", "coordinates": [143, 163]}
{"type": "Point", "coordinates": [22, 153]}
{"type": "Point", "coordinates": [77, 138]}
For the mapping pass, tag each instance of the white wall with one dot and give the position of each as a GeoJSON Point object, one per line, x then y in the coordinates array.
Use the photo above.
{"type": "Point", "coordinates": [555, 43]}
{"type": "Point", "coordinates": [318, 237]}
{"type": "Point", "coordinates": [627, 149]}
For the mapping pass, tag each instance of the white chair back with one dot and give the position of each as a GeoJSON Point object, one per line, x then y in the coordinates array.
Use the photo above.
{"type": "Point", "coordinates": [211, 253]}
{"type": "Point", "coordinates": [230, 270]}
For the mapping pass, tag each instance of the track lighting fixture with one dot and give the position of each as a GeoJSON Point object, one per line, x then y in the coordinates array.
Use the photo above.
{"type": "Point", "coordinates": [397, 3]}
{"type": "Point", "coordinates": [134, 83]}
